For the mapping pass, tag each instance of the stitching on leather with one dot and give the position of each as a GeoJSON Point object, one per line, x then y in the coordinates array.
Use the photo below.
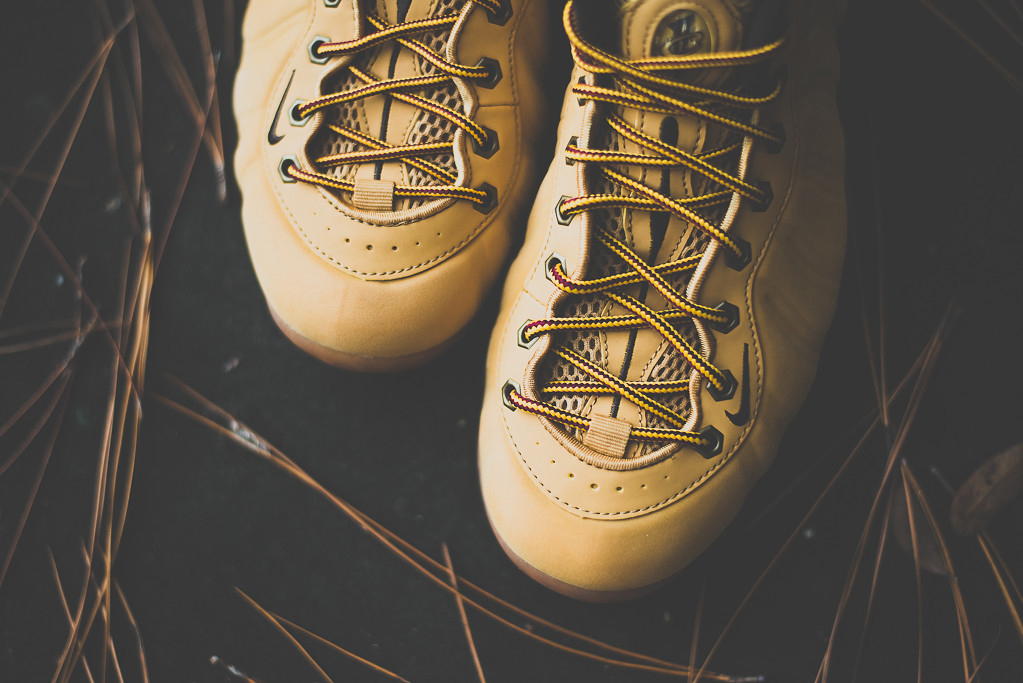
{"type": "Point", "coordinates": [566, 504]}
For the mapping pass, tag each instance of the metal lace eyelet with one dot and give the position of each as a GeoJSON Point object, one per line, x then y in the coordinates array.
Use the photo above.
{"type": "Point", "coordinates": [572, 142]}
{"type": "Point", "coordinates": [768, 193]}
{"type": "Point", "coordinates": [490, 144]}
{"type": "Point", "coordinates": [559, 215]}
{"type": "Point", "coordinates": [331, 3]}
{"type": "Point", "coordinates": [493, 68]}
{"type": "Point", "coordinates": [771, 146]}
{"type": "Point", "coordinates": [286, 164]}
{"type": "Point", "coordinates": [294, 115]}
{"type": "Point", "coordinates": [552, 260]}
{"type": "Point", "coordinates": [501, 15]}
{"type": "Point", "coordinates": [732, 313]}
{"type": "Point", "coordinates": [520, 336]}
{"type": "Point", "coordinates": [506, 391]}
{"type": "Point", "coordinates": [314, 50]}
{"type": "Point", "coordinates": [490, 202]}
{"type": "Point", "coordinates": [715, 442]}
{"type": "Point", "coordinates": [742, 259]}
{"type": "Point", "coordinates": [725, 393]}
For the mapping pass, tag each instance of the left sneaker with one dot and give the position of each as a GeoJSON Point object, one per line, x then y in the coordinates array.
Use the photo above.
{"type": "Point", "coordinates": [384, 154]}
{"type": "Point", "coordinates": [663, 321]}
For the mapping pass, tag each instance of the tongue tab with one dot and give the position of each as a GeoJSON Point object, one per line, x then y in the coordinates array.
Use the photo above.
{"type": "Point", "coordinates": [673, 28]}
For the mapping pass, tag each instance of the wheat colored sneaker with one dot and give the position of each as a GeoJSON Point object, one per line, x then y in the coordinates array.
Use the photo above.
{"type": "Point", "coordinates": [663, 321]}
{"type": "Point", "coordinates": [384, 148]}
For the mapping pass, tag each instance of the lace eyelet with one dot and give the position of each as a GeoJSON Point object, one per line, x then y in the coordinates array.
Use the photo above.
{"type": "Point", "coordinates": [723, 394]}
{"type": "Point", "coordinates": [506, 391]}
{"type": "Point", "coordinates": [286, 164]}
{"type": "Point", "coordinates": [489, 146]}
{"type": "Point", "coordinates": [559, 215]}
{"type": "Point", "coordinates": [491, 201]}
{"type": "Point", "coordinates": [740, 261]}
{"type": "Point", "coordinates": [781, 76]}
{"type": "Point", "coordinates": [331, 3]}
{"type": "Point", "coordinates": [765, 203]}
{"type": "Point", "coordinates": [294, 116]}
{"type": "Point", "coordinates": [502, 15]}
{"type": "Point", "coordinates": [553, 260]}
{"type": "Point", "coordinates": [314, 50]}
{"type": "Point", "coordinates": [716, 440]}
{"type": "Point", "coordinates": [730, 324]}
{"type": "Point", "coordinates": [772, 147]}
{"type": "Point", "coordinates": [493, 68]}
{"type": "Point", "coordinates": [520, 336]}
{"type": "Point", "coordinates": [572, 142]}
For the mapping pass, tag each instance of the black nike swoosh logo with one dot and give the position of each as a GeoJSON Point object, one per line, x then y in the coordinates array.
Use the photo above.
{"type": "Point", "coordinates": [272, 137]}
{"type": "Point", "coordinates": [741, 416]}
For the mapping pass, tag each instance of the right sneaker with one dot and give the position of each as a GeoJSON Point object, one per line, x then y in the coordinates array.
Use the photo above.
{"type": "Point", "coordinates": [663, 321]}
{"type": "Point", "coordinates": [385, 149]}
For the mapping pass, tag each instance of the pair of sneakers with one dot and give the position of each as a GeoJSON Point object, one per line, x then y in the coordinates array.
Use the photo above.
{"type": "Point", "coordinates": [662, 322]}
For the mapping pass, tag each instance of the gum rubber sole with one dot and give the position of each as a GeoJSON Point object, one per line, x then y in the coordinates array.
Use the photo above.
{"type": "Point", "coordinates": [349, 361]}
{"type": "Point", "coordinates": [571, 590]}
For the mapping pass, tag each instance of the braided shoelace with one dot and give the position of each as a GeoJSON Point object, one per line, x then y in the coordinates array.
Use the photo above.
{"type": "Point", "coordinates": [375, 150]}
{"type": "Point", "coordinates": [639, 84]}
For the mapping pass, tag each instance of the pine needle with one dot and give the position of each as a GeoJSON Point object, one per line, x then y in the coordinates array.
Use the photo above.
{"type": "Point", "coordinates": [283, 631]}
{"type": "Point", "coordinates": [461, 614]}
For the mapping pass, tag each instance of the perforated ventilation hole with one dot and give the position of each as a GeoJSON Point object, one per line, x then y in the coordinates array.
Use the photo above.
{"type": "Point", "coordinates": [618, 489]}
{"type": "Point", "coordinates": [369, 247]}
{"type": "Point", "coordinates": [347, 240]}
{"type": "Point", "coordinates": [571, 476]}
{"type": "Point", "coordinates": [594, 486]}
{"type": "Point", "coordinates": [642, 486]}
{"type": "Point", "coordinates": [394, 248]}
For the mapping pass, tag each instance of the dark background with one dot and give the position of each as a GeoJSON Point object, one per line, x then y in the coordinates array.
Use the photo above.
{"type": "Point", "coordinates": [934, 145]}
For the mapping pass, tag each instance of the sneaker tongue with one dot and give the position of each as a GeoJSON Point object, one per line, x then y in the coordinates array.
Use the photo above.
{"type": "Point", "coordinates": [658, 28]}
{"type": "Point", "coordinates": [394, 121]}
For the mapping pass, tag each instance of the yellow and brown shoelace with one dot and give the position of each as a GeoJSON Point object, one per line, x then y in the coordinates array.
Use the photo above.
{"type": "Point", "coordinates": [655, 85]}
{"type": "Point", "coordinates": [374, 150]}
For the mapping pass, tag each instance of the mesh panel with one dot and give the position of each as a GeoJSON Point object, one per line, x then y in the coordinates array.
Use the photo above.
{"type": "Point", "coordinates": [348, 115]}
{"type": "Point", "coordinates": [426, 127]}
{"type": "Point", "coordinates": [429, 127]}
{"type": "Point", "coordinates": [666, 364]}
{"type": "Point", "coordinates": [670, 365]}
{"type": "Point", "coordinates": [587, 344]}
